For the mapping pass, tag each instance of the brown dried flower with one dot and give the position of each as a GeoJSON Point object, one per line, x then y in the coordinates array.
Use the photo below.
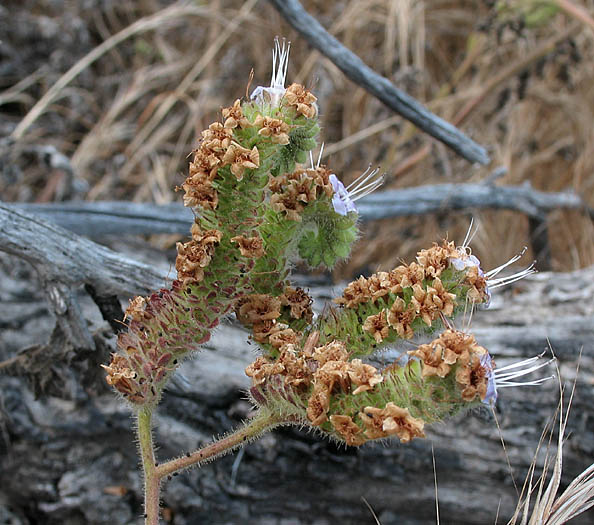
{"type": "Point", "coordinates": [204, 165]}
{"type": "Point", "coordinates": [288, 203]}
{"type": "Point", "coordinates": [348, 429]}
{"type": "Point", "coordinates": [121, 376]}
{"type": "Point", "coordinates": [477, 283]}
{"type": "Point", "coordinates": [135, 309]}
{"type": "Point", "coordinates": [195, 255]}
{"type": "Point", "coordinates": [261, 369]}
{"type": "Point", "coordinates": [355, 293]}
{"type": "Point", "coordinates": [321, 179]}
{"type": "Point", "coordinates": [199, 192]}
{"type": "Point", "coordinates": [435, 259]}
{"type": "Point", "coordinates": [332, 373]}
{"type": "Point", "coordinates": [436, 357]}
{"type": "Point", "coordinates": [216, 138]}
{"type": "Point", "coordinates": [473, 378]}
{"type": "Point", "coordinates": [391, 420]}
{"type": "Point", "coordinates": [234, 116]}
{"type": "Point", "coordinates": [400, 318]}
{"type": "Point", "coordinates": [273, 128]}
{"type": "Point", "coordinates": [299, 303]}
{"type": "Point", "coordinates": [377, 326]}
{"type": "Point", "coordinates": [240, 159]}
{"type": "Point", "coordinates": [296, 371]}
{"type": "Point", "coordinates": [252, 247]}
{"type": "Point", "coordinates": [281, 338]}
{"type": "Point", "coordinates": [449, 348]}
{"type": "Point", "coordinates": [379, 285]}
{"type": "Point", "coordinates": [301, 99]}
{"type": "Point", "coordinates": [432, 302]}
{"type": "Point", "coordinates": [262, 330]}
{"type": "Point", "coordinates": [317, 406]}
{"type": "Point", "coordinates": [256, 308]}
{"type": "Point", "coordinates": [333, 351]}
{"type": "Point", "coordinates": [363, 375]}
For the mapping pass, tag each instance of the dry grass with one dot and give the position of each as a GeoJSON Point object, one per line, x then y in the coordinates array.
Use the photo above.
{"type": "Point", "coordinates": [539, 503]}
{"type": "Point", "coordinates": [153, 77]}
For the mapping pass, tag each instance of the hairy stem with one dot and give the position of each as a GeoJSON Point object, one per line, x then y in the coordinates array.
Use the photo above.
{"type": "Point", "coordinates": [151, 479]}
{"type": "Point", "coordinates": [261, 423]}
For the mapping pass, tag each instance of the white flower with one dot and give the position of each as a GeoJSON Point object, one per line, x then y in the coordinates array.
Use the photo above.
{"type": "Point", "coordinates": [273, 94]}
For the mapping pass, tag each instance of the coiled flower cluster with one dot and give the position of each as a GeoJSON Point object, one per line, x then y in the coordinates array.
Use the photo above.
{"type": "Point", "coordinates": [259, 208]}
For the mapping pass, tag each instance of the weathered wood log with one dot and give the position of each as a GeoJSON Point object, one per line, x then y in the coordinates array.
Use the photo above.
{"type": "Point", "coordinates": [60, 255]}
{"type": "Point", "coordinates": [65, 261]}
{"type": "Point", "coordinates": [71, 458]}
{"type": "Point", "coordinates": [97, 219]}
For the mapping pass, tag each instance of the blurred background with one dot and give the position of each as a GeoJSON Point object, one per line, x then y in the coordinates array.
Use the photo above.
{"type": "Point", "coordinates": [153, 74]}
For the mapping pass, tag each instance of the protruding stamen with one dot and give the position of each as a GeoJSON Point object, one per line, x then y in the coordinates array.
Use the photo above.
{"type": "Point", "coordinates": [503, 281]}
{"type": "Point", "coordinates": [366, 183]}
{"type": "Point", "coordinates": [495, 271]}
{"type": "Point", "coordinates": [344, 198]}
{"type": "Point", "coordinates": [317, 164]}
{"type": "Point", "coordinates": [506, 378]}
{"type": "Point", "coordinates": [280, 56]}
{"type": "Point", "coordinates": [527, 383]}
{"type": "Point", "coordinates": [521, 363]}
{"type": "Point", "coordinates": [470, 234]}
{"type": "Point", "coordinates": [280, 63]}
{"type": "Point", "coordinates": [320, 155]}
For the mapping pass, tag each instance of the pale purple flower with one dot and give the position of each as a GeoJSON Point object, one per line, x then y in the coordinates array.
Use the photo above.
{"type": "Point", "coordinates": [344, 199]}
{"type": "Point", "coordinates": [341, 201]}
{"type": "Point", "coordinates": [467, 260]}
{"type": "Point", "coordinates": [504, 377]}
{"type": "Point", "coordinates": [491, 395]}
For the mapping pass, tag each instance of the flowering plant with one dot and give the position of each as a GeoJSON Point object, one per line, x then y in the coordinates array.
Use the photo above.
{"type": "Point", "coordinates": [260, 208]}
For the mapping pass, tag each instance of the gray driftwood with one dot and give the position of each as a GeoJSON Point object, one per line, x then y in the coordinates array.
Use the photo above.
{"type": "Point", "coordinates": [380, 87]}
{"type": "Point", "coordinates": [69, 455]}
{"type": "Point", "coordinates": [96, 219]}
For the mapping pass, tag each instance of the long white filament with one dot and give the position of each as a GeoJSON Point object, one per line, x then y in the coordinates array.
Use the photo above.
{"type": "Point", "coordinates": [366, 183]}
{"type": "Point", "coordinates": [280, 56]}
{"type": "Point", "coordinates": [504, 376]}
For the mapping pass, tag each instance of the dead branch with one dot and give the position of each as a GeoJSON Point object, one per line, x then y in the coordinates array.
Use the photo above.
{"type": "Point", "coordinates": [443, 197]}
{"type": "Point", "coordinates": [65, 261]}
{"type": "Point", "coordinates": [380, 87]}
{"type": "Point", "coordinates": [62, 256]}
{"type": "Point", "coordinates": [96, 219]}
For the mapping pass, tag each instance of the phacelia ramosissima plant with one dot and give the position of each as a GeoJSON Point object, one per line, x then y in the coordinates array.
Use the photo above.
{"type": "Point", "coordinates": [261, 205]}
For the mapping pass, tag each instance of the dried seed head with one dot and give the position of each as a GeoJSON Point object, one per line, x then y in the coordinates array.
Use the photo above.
{"type": "Point", "coordinates": [136, 309]}
{"type": "Point", "coordinates": [299, 303]}
{"type": "Point", "coordinates": [391, 420]}
{"type": "Point", "coordinates": [273, 128]}
{"type": "Point", "coordinates": [240, 159]}
{"type": "Point", "coordinates": [300, 99]}
{"type": "Point", "coordinates": [257, 308]}
{"type": "Point", "coordinates": [251, 247]}
{"type": "Point", "coordinates": [234, 116]}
